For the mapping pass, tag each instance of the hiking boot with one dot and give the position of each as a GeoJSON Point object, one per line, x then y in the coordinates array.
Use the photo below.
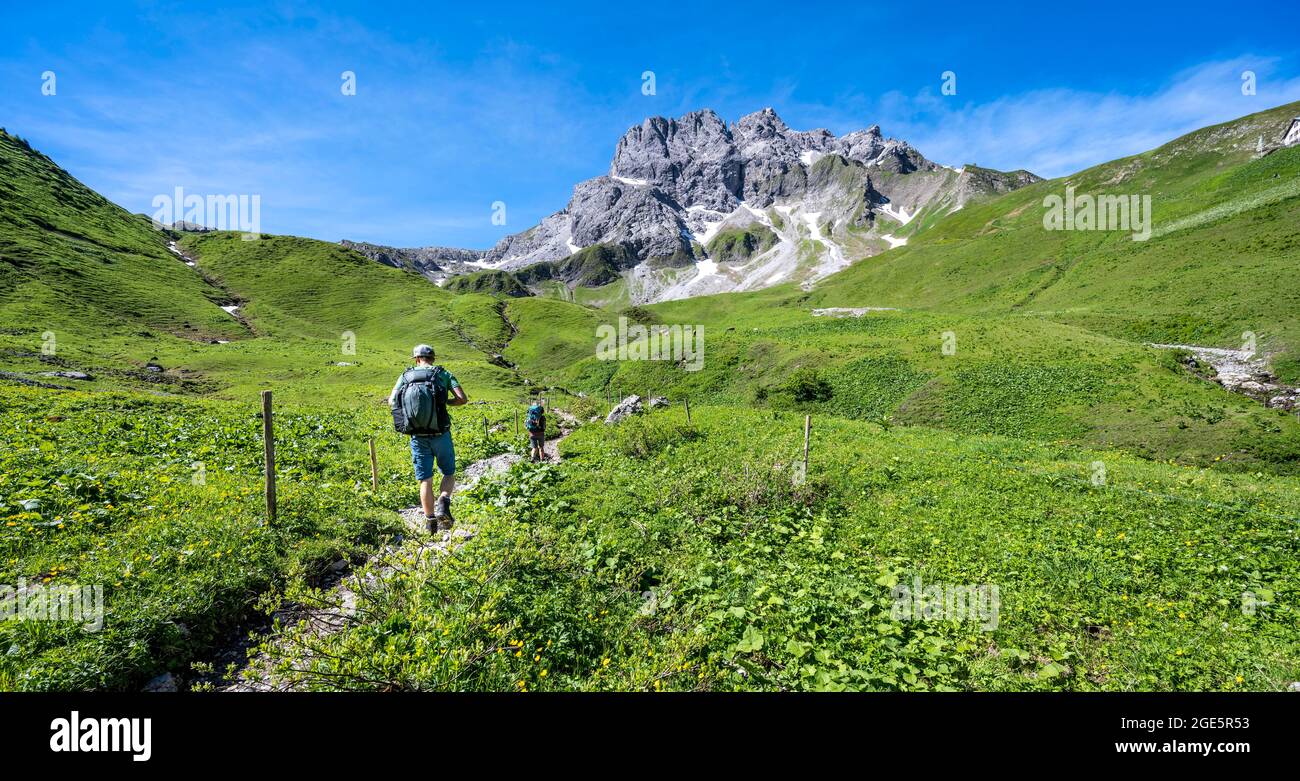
{"type": "Point", "coordinates": [430, 524]}
{"type": "Point", "coordinates": [442, 512]}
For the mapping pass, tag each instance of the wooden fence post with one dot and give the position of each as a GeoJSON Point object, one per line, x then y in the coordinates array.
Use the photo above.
{"type": "Point", "coordinates": [374, 466]}
{"type": "Point", "coordinates": [807, 429]}
{"type": "Point", "coordinates": [485, 426]}
{"type": "Point", "coordinates": [516, 423]}
{"type": "Point", "coordinates": [687, 402]}
{"type": "Point", "coordinates": [268, 439]}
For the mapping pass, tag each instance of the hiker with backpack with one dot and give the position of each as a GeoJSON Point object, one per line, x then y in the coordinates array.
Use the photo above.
{"type": "Point", "coordinates": [535, 423]}
{"type": "Point", "coordinates": [419, 403]}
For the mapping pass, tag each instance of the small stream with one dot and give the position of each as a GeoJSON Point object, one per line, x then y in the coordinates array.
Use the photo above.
{"type": "Point", "coordinates": [1241, 372]}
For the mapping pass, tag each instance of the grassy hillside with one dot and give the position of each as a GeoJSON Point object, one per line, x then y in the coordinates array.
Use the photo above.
{"type": "Point", "coordinates": [1012, 375]}
{"type": "Point", "coordinates": [80, 279]}
{"type": "Point", "coordinates": [72, 261]}
{"type": "Point", "coordinates": [1223, 258]}
{"type": "Point", "coordinates": [551, 335]}
{"type": "Point", "coordinates": [316, 305]}
{"type": "Point", "coordinates": [489, 283]}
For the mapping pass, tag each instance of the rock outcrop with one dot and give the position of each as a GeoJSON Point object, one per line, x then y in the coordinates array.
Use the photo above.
{"type": "Point", "coordinates": [435, 263]}
{"type": "Point", "coordinates": [625, 408]}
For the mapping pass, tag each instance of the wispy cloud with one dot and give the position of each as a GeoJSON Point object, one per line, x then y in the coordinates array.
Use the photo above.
{"type": "Point", "coordinates": [418, 155]}
{"type": "Point", "coordinates": [1054, 132]}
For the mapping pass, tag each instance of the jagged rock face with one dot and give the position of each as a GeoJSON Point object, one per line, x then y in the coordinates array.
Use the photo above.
{"type": "Point", "coordinates": [548, 240]}
{"type": "Point", "coordinates": [645, 218]}
{"type": "Point", "coordinates": [862, 145]}
{"type": "Point", "coordinates": [436, 263]}
{"type": "Point", "coordinates": [674, 184]}
{"type": "Point", "coordinates": [692, 159]}
{"type": "Point", "coordinates": [776, 158]}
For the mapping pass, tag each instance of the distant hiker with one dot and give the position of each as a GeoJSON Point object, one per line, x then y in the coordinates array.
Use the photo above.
{"type": "Point", "coordinates": [535, 422]}
{"type": "Point", "coordinates": [419, 403]}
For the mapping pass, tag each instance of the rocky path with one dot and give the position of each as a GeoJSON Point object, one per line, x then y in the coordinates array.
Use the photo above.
{"type": "Point", "coordinates": [415, 548]}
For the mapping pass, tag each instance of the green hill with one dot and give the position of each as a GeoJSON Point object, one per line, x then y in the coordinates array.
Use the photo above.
{"type": "Point", "coordinates": [70, 259]}
{"type": "Point", "coordinates": [493, 283]}
{"type": "Point", "coordinates": [1223, 257]}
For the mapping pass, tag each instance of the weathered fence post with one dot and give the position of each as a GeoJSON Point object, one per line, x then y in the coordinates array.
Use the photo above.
{"type": "Point", "coordinates": [374, 466]}
{"type": "Point", "coordinates": [807, 429]}
{"type": "Point", "coordinates": [516, 423]}
{"type": "Point", "coordinates": [268, 439]}
{"type": "Point", "coordinates": [687, 402]}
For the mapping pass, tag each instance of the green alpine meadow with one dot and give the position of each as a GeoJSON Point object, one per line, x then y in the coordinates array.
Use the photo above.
{"type": "Point", "coordinates": [874, 424]}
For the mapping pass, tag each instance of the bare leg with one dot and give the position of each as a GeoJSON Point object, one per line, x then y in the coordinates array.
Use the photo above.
{"type": "Point", "coordinates": [426, 497]}
{"type": "Point", "coordinates": [448, 485]}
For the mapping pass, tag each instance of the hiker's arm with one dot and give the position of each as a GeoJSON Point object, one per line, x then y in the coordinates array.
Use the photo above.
{"type": "Point", "coordinates": [392, 397]}
{"type": "Point", "coordinates": [458, 397]}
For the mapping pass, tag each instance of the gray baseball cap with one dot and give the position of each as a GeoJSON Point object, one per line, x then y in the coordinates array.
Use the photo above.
{"type": "Point", "coordinates": [422, 351]}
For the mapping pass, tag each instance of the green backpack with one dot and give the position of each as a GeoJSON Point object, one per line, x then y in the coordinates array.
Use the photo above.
{"type": "Point", "coordinates": [421, 408]}
{"type": "Point", "coordinates": [535, 420]}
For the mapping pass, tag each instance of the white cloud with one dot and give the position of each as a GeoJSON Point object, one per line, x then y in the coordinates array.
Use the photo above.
{"type": "Point", "coordinates": [1054, 132]}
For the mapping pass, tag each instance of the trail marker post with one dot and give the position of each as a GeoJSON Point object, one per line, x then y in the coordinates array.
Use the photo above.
{"type": "Point", "coordinates": [687, 402]}
{"type": "Point", "coordinates": [807, 430]}
{"type": "Point", "coordinates": [268, 439]}
{"type": "Point", "coordinates": [374, 466]}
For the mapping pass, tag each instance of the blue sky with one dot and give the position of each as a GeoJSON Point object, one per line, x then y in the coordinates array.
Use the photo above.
{"type": "Point", "coordinates": [460, 105]}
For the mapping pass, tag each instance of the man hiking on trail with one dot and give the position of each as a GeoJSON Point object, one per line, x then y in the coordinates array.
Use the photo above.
{"type": "Point", "coordinates": [419, 404]}
{"type": "Point", "coordinates": [535, 423]}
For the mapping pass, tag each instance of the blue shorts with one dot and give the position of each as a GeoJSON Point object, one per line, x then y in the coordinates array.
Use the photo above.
{"type": "Point", "coordinates": [426, 450]}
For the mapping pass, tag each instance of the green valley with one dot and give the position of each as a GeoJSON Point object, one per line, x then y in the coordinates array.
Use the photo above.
{"type": "Point", "coordinates": [986, 409]}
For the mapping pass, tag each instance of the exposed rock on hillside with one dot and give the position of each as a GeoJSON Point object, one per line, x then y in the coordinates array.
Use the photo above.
{"type": "Point", "coordinates": [435, 263]}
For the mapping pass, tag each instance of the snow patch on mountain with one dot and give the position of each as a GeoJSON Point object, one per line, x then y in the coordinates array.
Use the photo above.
{"type": "Point", "coordinates": [897, 213]}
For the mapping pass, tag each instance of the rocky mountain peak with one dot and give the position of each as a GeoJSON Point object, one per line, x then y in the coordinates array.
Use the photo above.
{"type": "Point", "coordinates": [675, 184]}
{"type": "Point", "coordinates": [762, 124]}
